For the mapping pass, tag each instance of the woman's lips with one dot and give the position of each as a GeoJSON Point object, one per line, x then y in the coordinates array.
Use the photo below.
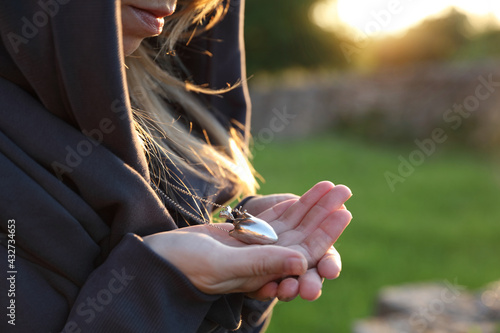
{"type": "Point", "coordinates": [151, 21]}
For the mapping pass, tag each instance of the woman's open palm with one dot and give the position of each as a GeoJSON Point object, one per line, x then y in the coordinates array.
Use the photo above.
{"type": "Point", "coordinates": [307, 228]}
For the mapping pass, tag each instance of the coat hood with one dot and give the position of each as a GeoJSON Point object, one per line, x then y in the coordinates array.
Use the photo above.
{"type": "Point", "coordinates": [66, 132]}
{"type": "Point", "coordinates": [67, 54]}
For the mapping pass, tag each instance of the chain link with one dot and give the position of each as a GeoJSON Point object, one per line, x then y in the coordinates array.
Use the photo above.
{"type": "Point", "coordinates": [186, 192]}
{"type": "Point", "coordinates": [184, 210]}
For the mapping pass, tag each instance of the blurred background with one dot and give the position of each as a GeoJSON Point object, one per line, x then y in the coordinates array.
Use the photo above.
{"type": "Point", "coordinates": [400, 101]}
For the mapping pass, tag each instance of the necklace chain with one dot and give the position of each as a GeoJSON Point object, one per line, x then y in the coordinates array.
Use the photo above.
{"type": "Point", "coordinates": [247, 228]}
{"type": "Point", "coordinates": [183, 190]}
{"type": "Point", "coordinates": [184, 210]}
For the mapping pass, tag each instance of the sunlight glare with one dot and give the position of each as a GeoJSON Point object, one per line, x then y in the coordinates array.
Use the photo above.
{"type": "Point", "coordinates": [379, 17]}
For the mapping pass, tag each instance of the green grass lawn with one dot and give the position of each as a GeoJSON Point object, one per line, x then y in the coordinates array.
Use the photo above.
{"type": "Point", "coordinates": [442, 223]}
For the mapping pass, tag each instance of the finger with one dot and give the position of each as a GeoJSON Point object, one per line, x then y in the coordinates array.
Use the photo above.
{"type": "Point", "coordinates": [260, 204]}
{"type": "Point", "coordinates": [330, 265]}
{"type": "Point", "coordinates": [331, 201]}
{"type": "Point", "coordinates": [272, 214]}
{"type": "Point", "coordinates": [266, 293]}
{"type": "Point", "coordinates": [258, 261]}
{"type": "Point", "coordinates": [320, 241]}
{"type": "Point", "coordinates": [310, 285]}
{"type": "Point", "coordinates": [296, 212]}
{"type": "Point", "coordinates": [288, 289]}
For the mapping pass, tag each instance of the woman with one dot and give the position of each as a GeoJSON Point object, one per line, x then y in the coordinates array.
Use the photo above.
{"type": "Point", "coordinates": [106, 210]}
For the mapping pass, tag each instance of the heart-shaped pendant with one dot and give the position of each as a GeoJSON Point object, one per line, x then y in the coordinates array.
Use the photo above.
{"type": "Point", "coordinates": [247, 228]}
{"type": "Point", "coordinates": [252, 230]}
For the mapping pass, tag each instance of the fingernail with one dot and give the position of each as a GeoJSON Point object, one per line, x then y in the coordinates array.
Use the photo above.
{"type": "Point", "coordinates": [296, 266]}
{"type": "Point", "coordinates": [287, 299]}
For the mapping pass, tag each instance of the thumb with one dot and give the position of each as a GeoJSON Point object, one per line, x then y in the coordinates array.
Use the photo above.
{"type": "Point", "coordinates": [254, 261]}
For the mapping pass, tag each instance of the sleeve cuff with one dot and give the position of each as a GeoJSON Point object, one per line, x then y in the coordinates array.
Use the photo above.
{"type": "Point", "coordinates": [136, 290]}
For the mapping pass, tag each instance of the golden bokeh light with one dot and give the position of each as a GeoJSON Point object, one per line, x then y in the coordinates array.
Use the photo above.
{"type": "Point", "coordinates": [373, 18]}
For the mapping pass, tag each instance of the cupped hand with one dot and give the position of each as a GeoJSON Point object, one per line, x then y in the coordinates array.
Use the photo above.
{"type": "Point", "coordinates": [307, 228]}
{"type": "Point", "coordinates": [213, 267]}
{"type": "Point", "coordinates": [310, 225]}
{"type": "Point", "coordinates": [308, 285]}
{"type": "Point", "coordinates": [329, 265]}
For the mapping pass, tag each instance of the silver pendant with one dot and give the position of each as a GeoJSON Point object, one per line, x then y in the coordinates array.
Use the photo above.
{"type": "Point", "coordinates": [250, 229]}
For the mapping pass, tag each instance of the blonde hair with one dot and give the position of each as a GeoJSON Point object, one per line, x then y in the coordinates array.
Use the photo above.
{"type": "Point", "coordinates": [216, 154]}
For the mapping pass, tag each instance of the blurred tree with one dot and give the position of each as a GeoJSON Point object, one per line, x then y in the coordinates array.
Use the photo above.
{"type": "Point", "coordinates": [433, 40]}
{"type": "Point", "coordinates": [280, 34]}
{"type": "Point", "coordinates": [483, 46]}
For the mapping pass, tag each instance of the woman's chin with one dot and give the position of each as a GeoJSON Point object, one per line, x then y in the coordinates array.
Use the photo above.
{"type": "Point", "coordinates": [130, 44]}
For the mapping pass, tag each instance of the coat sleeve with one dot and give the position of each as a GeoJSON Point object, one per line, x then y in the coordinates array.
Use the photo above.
{"type": "Point", "coordinates": [61, 284]}
{"type": "Point", "coordinates": [135, 290]}
{"type": "Point", "coordinates": [161, 300]}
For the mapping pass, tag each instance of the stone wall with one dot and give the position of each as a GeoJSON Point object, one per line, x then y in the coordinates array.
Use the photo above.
{"type": "Point", "coordinates": [392, 104]}
{"type": "Point", "coordinates": [434, 308]}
